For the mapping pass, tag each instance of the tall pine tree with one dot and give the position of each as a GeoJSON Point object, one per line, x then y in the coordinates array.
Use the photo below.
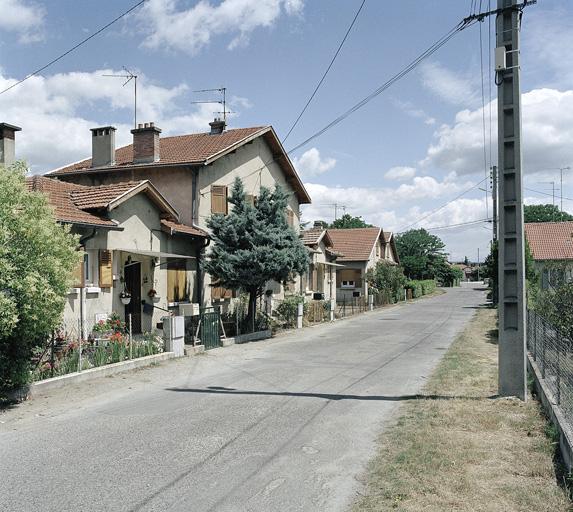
{"type": "Point", "coordinates": [254, 244]}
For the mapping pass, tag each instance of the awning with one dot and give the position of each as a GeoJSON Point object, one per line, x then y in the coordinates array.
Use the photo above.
{"type": "Point", "coordinates": [332, 264]}
{"type": "Point", "coordinates": [156, 254]}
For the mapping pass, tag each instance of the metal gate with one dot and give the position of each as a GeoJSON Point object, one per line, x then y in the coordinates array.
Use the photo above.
{"type": "Point", "coordinates": [210, 321]}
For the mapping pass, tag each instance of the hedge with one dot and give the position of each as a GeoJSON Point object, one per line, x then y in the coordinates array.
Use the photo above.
{"type": "Point", "coordinates": [420, 288]}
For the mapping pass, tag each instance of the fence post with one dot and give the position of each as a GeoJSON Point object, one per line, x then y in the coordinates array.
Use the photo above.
{"type": "Point", "coordinates": [544, 343]}
{"type": "Point", "coordinates": [371, 302]}
{"type": "Point", "coordinates": [52, 356]}
{"type": "Point", "coordinates": [558, 370]}
{"type": "Point", "coordinates": [332, 309]}
{"type": "Point", "coordinates": [79, 346]}
{"type": "Point", "coordinates": [130, 339]}
{"type": "Point", "coordinates": [299, 314]}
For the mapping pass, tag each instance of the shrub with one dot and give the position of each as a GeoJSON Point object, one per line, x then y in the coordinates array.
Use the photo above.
{"type": "Point", "coordinates": [420, 288]}
{"type": "Point", "coordinates": [287, 309]}
{"type": "Point", "coordinates": [387, 280]}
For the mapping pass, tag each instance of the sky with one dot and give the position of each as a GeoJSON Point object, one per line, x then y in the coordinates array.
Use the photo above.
{"type": "Point", "coordinates": [415, 147]}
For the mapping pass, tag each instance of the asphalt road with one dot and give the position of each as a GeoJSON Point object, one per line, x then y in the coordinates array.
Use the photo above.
{"type": "Point", "coordinates": [287, 424]}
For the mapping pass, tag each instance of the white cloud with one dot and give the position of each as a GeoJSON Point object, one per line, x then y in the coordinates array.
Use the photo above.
{"type": "Point", "coordinates": [400, 173]}
{"type": "Point", "coordinates": [171, 26]}
{"type": "Point", "coordinates": [547, 120]}
{"type": "Point", "coordinates": [52, 112]}
{"type": "Point", "coordinates": [452, 87]}
{"type": "Point", "coordinates": [409, 109]}
{"type": "Point", "coordinates": [23, 17]}
{"type": "Point", "coordinates": [310, 163]}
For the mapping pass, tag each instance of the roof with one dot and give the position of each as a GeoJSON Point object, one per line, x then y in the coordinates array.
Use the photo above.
{"type": "Point", "coordinates": [355, 244]}
{"type": "Point", "coordinates": [550, 240]}
{"type": "Point", "coordinates": [196, 149]}
{"type": "Point", "coordinates": [60, 198]}
{"type": "Point", "coordinates": [314, 236]}
{"type": "Point", "coordinates": [174, 227]}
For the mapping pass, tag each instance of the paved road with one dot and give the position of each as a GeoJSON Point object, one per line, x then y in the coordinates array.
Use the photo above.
{"type": "Point", "coordinates": [282, 425]}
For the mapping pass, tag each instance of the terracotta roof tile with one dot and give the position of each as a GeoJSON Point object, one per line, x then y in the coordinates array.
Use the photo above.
{"type": "Point", "coordinates": [59, 196]}
{"type": "Point", "coordinates": [311, 236]}
{"type": "Point", "coordinates": [550, 240]}
{"type": "Point", "coordinates": [174, 227]}
{"type": "Point", "coordinates": [88, 198]}
{"type": "Point", "coordinates": [355, 244]}
{"type": "Point", "coordinates": [194, 148]}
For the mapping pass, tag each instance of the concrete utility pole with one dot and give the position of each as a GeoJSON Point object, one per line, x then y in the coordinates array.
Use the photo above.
{"type": "Point", "coordinates": [494, 200]}
{"type": "Point", "coordinates": [561, 169]}
{"type": "Point", "coordinates": [512, 342]}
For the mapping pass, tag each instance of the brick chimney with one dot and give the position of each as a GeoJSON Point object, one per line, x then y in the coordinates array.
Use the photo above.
{"type": "Point", "coordinates": [145, 143]}
{"type": "Point", "coordinates": [103, 146]}
{"type": "Point", "coordinates": [217, 126]}
{"type": "Point", "coordinates": [8, 143]}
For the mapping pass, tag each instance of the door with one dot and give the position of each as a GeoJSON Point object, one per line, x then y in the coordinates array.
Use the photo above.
{"type": "Point", "coordinates": [132, 275]}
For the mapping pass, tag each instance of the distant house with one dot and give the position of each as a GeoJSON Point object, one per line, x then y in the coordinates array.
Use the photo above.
{"type": "Point", "coordinates": [194, 173]}
{"type": "Point", "coordinates": [132, 241]}
{"type": "Point", "coordinates": [320, 281]}
{"type": "Point", "coordinates": [551, 245]}
{"type": "Point", "coordinates": [361, 249]}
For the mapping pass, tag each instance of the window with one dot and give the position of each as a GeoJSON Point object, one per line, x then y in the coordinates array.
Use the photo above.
{"type": "Point", "coordinates": [348, 284]}
{"type": "Point", "coordinates": [250, 199]}
{"type": "Point", "coordinates": [177, 281]}
{"type": "Point", "coordinates": [219, 199]}
{"type": "Point", "coordinates": [105, 269]}
{"type": "Point", "coordinates": [349, 278]}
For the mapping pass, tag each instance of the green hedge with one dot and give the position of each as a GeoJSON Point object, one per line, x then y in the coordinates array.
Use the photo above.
{"type": "Point", "coordinates": [420, 288]}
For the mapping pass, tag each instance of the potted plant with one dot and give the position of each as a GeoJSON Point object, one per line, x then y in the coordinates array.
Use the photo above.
{"type": "Point", "coordinates": [125, 297]}
{"type": "Point", "coordinates": [152, 294]}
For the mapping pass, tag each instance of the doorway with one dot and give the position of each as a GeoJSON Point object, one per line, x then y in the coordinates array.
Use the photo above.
{"type": "Point", "coordinates": [132, 276]}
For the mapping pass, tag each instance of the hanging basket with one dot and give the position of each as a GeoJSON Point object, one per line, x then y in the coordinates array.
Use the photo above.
{"type": "Point", "coordinates": [125, 300]}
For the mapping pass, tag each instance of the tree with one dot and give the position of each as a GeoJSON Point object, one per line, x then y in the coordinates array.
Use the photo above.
{"type": "Point", "coordinates": [447, 274]}
{"type": "Point", "coordinates": [37, 258]}
{"type": "Point", "coordinates": [544, 213]}
{"type": "Point", "coordinates": [349, 222]}
{"type": "Point", "coordinates": [254, 244]}
{"type": "Point", "coordinates": [387, 279]}
{"type": "Point", "coordinates": [421, 254]}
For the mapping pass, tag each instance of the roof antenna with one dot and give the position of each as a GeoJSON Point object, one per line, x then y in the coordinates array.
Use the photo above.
{"type": "Point", "coordinates": [130, 76]}
{"type": "Point", "coordinates": [223, 101]}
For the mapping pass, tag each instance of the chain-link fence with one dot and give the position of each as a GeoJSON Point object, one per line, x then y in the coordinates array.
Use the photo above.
{"type": "Point", "coordinates": [553, 354]}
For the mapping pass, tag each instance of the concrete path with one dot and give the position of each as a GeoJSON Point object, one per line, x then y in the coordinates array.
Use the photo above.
{"type": "Point", "coordinates": [282, 425]}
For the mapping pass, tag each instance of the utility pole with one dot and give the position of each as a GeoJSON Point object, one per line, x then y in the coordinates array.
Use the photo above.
{"type": "Point", "coordinates": [494, 200]}
{"type": "Point", "coordinates": [561, 169]}
{"type": "Point", "coordinates": [512, 342]}
{"type": "Point", "coordinates": [478, 263]}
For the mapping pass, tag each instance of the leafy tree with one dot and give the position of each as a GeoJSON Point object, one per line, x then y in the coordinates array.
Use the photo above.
{"type": "Point", "coordinates": [421, 254]}
{"type": "Point", "coordinates": [544, 213]}
{"type": "Point", "coordinates": [349, 222]}
{"type": "Point", "coordinates": [37, 258]}
{"type": "Point", "coordinates": [254, 244]}
{"type": "Point", "coordinates": [447, 274]}
{"type": "Point", "coordinates": [387, 279]}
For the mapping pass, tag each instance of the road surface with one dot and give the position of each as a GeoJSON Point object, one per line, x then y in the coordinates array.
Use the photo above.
{"type": "Point", "coordinates": [287, 424]}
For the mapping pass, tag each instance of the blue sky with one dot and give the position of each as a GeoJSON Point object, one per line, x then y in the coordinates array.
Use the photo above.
{"type": "Point", "coordinates": [412, 149]}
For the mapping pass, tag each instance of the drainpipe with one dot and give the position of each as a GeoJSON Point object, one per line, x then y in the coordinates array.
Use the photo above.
{"type": "Point", "coordinates": [194, 221]}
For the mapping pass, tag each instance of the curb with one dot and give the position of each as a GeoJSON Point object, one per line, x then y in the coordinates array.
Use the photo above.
{"type": "Point", "coordinates": [43, 386]}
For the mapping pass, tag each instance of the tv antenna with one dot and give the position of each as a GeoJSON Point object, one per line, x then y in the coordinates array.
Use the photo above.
{"type": "Point", "coordinates": [129, 77]}
{"type": "Point", "coordinates": [222, 101]}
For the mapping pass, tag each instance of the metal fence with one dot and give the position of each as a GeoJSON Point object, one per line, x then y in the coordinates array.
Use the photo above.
{"type": "Point", "coordinates": [553, 354]}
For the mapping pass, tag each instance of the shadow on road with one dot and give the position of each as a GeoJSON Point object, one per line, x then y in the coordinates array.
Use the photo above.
{"type": "Point", "coordinates": [218, 390]}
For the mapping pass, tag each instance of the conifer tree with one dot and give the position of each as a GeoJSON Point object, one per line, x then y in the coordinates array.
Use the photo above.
{"type": "Point", "coordinates": [254, 244]}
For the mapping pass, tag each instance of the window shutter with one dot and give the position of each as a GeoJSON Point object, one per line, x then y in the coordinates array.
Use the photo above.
{"type": "Point", "coordinates": [105, 269]}
{"type": "Point", "coordinates": [216, 292]}
{"type": "Point", "coordinates": [250, 199]}
{"type": "Point", "coordinates": [227, 293]}
{"type": "Point", "coordinates": [219, 199]}
{"type": "Point", "coordinates": [176, 281]}
{"type": "Point", "coordinates": [78, 273]}
{"type": "Point", "coordinates": [290, 217]}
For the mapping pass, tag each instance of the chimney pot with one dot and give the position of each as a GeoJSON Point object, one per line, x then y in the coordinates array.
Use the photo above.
{"type": "Point", "coordinates": [8, 143]}
{"type": "Point", "coordinates": [103, 146]}
{"type": "Point", "coordinates": [146, 143]}
{"type": "Point", "coordinates": [217, 126]}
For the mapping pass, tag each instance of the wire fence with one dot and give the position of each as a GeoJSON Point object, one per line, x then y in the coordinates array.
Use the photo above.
{"type": "Point", "coordinates": [553, 353]}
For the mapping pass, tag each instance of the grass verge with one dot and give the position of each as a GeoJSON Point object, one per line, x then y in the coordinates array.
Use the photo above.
{"type": "Point", "coordinates": [462, 448]}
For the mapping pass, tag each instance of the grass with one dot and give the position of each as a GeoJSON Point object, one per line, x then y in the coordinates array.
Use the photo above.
{"type": "Point", "coordinates": [464, 449]}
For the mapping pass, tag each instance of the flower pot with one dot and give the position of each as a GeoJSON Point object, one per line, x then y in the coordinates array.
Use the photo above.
{"type": "Point", "coordinates": [125, 300]}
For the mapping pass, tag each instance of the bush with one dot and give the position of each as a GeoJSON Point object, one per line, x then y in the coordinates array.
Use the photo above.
{"type": "Point", "coordinates": [387, 280]}
{"type": "Point", "coordinates": [420, 288]}
{"type": "Point", "coordinates": [287, 309]}
{"type": "Point", "coordinates": [556, 306]}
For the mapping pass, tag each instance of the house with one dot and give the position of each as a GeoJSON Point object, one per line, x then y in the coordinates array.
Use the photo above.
{"type": "Point", "coordinates": [361, 249]}
{"type": "Point", "coordinates": [132, 241]}
{"type": "Point", "coordinates": [194, 173]}
{"type": "Point", "coordinates": [320, 281]}
{"type": "Point", "coordinates": [551, 245]}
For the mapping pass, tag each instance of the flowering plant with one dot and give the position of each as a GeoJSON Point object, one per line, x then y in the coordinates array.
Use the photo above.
{"type": "Point", "coordinates": [152, 293]}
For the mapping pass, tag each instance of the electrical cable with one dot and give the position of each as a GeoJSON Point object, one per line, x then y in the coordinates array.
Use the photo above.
{"type": "Point", "coordinates": [459, 224]}
{"type": "Point", "coordinates": [53, 61]}
{"type": "Point", "coordinates": [483, 113]}
{"type": "Point", "coordinates": [325, 73]}
{"type": "Point", "coordinates": [442, 206]}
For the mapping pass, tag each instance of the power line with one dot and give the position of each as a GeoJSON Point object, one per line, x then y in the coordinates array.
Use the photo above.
{"type": "Point", "coordinates": [398, 76]}
{"type": "Point", "coordinates": [326, 72]}
{"type": "Point", "coordinates": [546, 193]}
{"type": "Point", "coordinates": [468, 223]}
{"type": "Point", "coordinates": [483, 111]}
{"type": "Point", "coordinates": [442, 206]}
{"type": "Point", "coordinates": [99, 31]}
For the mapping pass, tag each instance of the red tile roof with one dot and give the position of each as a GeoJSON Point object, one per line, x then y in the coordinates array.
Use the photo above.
{"type": "Point", "coordinates": [194, 148]}
{"type": "Point", "coordinates": [60, 198]}
{"type": "Point", "coordinates": [88, 198]}
{"type": "Point", "coordinates": [174, 227]}
{"type": "Point", "coordinates": [550, 240]}
{"type": "Point", "coordinates": [355, 244]}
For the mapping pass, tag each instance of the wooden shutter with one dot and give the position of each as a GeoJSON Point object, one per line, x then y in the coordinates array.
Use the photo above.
{"type": "Point", "coordinates": [349, 275]}
{"type": "Point", "coordinates": [78, 273]}
{"type": "Point", "coordinates": [220, 292]}
{"type": "Point", "coordinates": [290, 217]}
{"type": "Point", "coordinates": [219, 199]}
{"type": "Point", "coordinates": [176, 281]}
{"type": "Point", "coordinates": [250, 199]}
{"type": "Point", "coordinates": [105, 269]}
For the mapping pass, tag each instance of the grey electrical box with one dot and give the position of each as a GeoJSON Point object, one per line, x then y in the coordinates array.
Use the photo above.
{"type": "Point", "coordinates": [500, 58]}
